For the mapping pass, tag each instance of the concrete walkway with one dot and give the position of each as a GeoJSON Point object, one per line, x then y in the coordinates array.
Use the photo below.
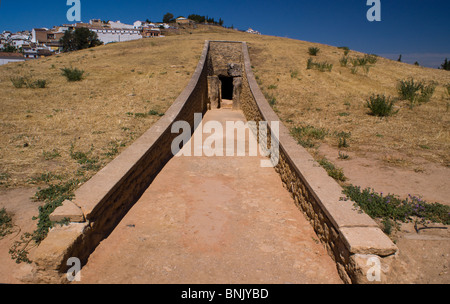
{"type": "Point", "coordinates": [217, 220]}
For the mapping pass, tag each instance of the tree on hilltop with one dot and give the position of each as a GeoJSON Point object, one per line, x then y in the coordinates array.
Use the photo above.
{"type": "Point", "coordinates": [446, 65]}
{"type": "Point", "coordinates": [81, 38]}
{"type": "Point", "coordinates": [168, 18]}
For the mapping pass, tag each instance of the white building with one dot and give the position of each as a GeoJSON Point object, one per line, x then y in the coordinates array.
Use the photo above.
{"type": "Point", "coordinates": [108, 35]}
{"type": "Point", "coordinates": [252, 31]}
{"type": "Point", "coordinates": [120, 25]}
{"type": "Point", "coordinates": [19, 40]}
{"type": "Point", "coordinates": [138, 24]}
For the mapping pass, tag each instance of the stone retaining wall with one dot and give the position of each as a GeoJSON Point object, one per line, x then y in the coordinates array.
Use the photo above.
{"type": "Point", "coordinates": [351, 237]}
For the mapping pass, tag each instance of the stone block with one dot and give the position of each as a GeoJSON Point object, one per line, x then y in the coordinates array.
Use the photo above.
{"type": "Point", "coordinates": [50, 253]}
{"type": "Point", "coordinates": [367, 240]}
{"type": "Point", "coordinates": [234, 70]}
{"type": "Point", "coordinates": [67, 210]}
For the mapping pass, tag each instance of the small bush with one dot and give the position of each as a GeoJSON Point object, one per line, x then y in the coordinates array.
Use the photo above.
{"type": "Point", "coordinates": [5, 223]}
{"type": "Point", "coordinates": [342, 139]}
{"type": "Point", "coordinates": [392, 207]}
{"type": "Point", "coordinates": [346, 49]}
{"type": "Point", "coordinates": [313, 51]}
{"type": "Point", "coordinates": [343, 155]}
{"type": "Point", "coordinates": [371, 58]}
{"type": "Point", "coordinates": [381, 106]}
{"type": "Point", "coordinates": [40, 83]}
{"type": "Point", "coordinates": [343, 142]}
{"type": "Point", "coordinates": [72, 74]}
{"type": "Point", "coordinates": [320, 66]}
{"type": "Point", "coordinates": [18, 82]}
{"type": "Point", "coordinates": [155, 113]}
{"type": "Point", "coordinates": [343, 61]}
{"type": "Point", "coordinates": [306, 135]}
{"type": "Point", "coordinates": [415, 91]}
{"type": "Point", "coordinates": [83, 158]}
{"type": "Point", "coordinates": [426, 93]}
{"type": "Point", "coordinates": [4, 177]}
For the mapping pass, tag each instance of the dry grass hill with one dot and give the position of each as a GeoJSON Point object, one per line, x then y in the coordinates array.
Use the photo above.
{"type": "Point", "coordinates": [69, 130]}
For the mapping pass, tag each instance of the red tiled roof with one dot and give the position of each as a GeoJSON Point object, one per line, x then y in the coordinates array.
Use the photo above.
{"type": "Point", "coordinates": [11, 55]}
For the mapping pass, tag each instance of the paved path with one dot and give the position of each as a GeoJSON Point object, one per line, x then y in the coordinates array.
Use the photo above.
{"type": "Point", "coordinates": [214, 220]}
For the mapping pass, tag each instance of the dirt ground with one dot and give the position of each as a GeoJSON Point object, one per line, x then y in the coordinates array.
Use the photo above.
{"type": "Point", "coordinates": [19, 205]}
{"type": "Point", "coordinates": [424, 256]}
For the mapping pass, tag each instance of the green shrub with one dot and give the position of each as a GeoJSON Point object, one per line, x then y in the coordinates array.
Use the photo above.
{"type": "Point", "coordinates": [155, 113]}
{"type": "Point", "coordinates": [320, 66]}
{"type": "Point", "coordinates": [346, 49]}
{"type": "Point", "coordinates": [342, 155]}
{"type": "Point", "coordinates": [5, 223]}
{"type": "Point", "coordinates": [343, 142]}
{"type": "Point", "coordinates": [426, 93]}
{"type": "Point", "coordinates": [342, 139]}
{"type": "Point", "coordinates": [82, 158]}
{"type": "Point", "coordinates": [363, 61]}
{"type": "Point", "coordinates": [72, 74]}
{"type": "Point", "coordinates": [53, 196]}
{"type": "Point", "coordinates": [4, 177]}
{"type": "Point", "coordinates": [371, 58]}
{"type": "Point", "coordinates": [18, 82]}
{"type": "Point", "coordinates": [306, 135]}
{"type": "Point", "coordinates": [392, 207]}
{"type": "Point", "coordinates": [381, 106]}
{"type": "Point", "coordinates": [40, 83]}
{"type": "Point", "coordinates": [313, 51]}
{"type": "Point", "coordinates": [415, 91]}
{"type": "Point", "coordinates": [343, 61]}
{"type": "Point", "coordinates": [407, 89]}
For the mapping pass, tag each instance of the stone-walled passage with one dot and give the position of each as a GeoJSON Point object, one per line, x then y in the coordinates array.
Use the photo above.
{"type": "Point", "coordinates": [352, 239]}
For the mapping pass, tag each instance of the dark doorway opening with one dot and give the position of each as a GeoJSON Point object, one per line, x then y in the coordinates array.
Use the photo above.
{"type": "Point", "coordinates": [227, 87]}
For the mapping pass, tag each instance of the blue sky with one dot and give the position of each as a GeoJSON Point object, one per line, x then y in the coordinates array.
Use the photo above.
{"type": "Point", "coordinates": [417, 29]}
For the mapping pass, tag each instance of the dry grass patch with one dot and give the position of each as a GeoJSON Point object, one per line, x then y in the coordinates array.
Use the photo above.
{"type": "Point", "coordinates": [38, 127]}
{"type": "Point", "coordinates": [124, 82]}
{"type": "Point", "coordinates": [337, 100]}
